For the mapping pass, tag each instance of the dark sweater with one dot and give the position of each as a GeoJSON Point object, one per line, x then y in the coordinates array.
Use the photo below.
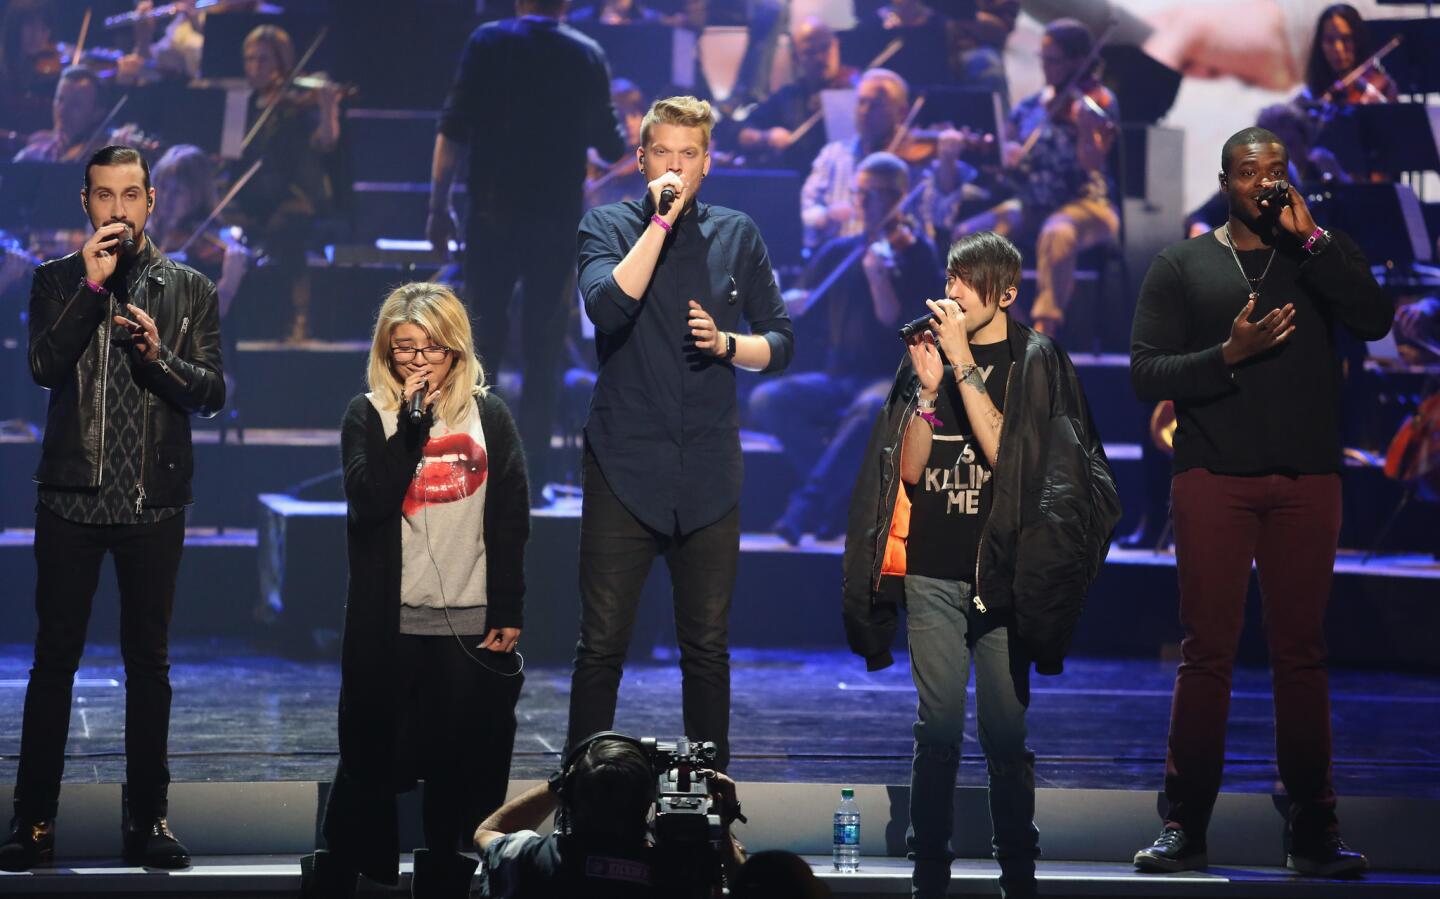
{"type": "Point", "coordinates": [378, 471]}
{"type": "Point", "coordinates": [1277, 412]}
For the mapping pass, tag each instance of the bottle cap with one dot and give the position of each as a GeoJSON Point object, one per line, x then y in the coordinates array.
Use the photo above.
{"type": "Point", "coordinates": [847, 793]}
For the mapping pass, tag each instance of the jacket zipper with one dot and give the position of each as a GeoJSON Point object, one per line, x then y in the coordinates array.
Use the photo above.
{"type": "Point", "coordinates": [883, 535]}
{"type": "Point", "coordinates": [985, 528]}
{"type": "Point", "coordinates": [144, 454]}
{"type": "Point", "coordinates": [184, 326]}
{"type": "Point", "coordinates": [106, 328]}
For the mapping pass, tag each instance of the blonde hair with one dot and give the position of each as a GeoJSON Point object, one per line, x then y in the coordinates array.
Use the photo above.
{"type": "Point", "coordinates": [435, 308]}
{"type": "Point", "coordinates": [277, 39]}
{"type": "Point", "coordinates": [686, 112]}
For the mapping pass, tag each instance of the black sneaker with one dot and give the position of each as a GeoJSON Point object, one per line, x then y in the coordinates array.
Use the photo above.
{"type": "Point", "coordinates": [150, 843]}
{"type": "Point", "coordinates": [30, 843]}
{"type": "Point", "coordinates": [1172, 851]}
{"type": "Point", "coordinates": [1330, 858]}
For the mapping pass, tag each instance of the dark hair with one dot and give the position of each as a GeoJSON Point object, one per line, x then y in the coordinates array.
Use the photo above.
{"type": "Point", "coordinates": [611, 789]}
{"type": "Point", "coordinates": [117, 155]}
{"type": "Point", "coordinates": [543, 7]}
{"type": "Point", "coordinates": [988, 262]}
{"type": "Point", "coordinates": [1071, 36]}
{"type": "Point", "coordinates": [16, 15]}
{"type": "Point", "coordinates": [777, 874]}
{"type": "Point", "coordinates": [1244, 138]}
{"type": "Point", "coordinates": [1318, 74]}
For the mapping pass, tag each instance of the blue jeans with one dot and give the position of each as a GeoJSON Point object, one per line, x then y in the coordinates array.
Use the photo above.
{"type": "Point", "coordinates": [943, 638]}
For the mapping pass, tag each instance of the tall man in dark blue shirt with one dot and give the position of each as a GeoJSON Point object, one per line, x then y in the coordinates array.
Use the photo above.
{"type": "Point", "coordinates": [666, 283]}
{"type": "Point", "coordinates": [530, 97]}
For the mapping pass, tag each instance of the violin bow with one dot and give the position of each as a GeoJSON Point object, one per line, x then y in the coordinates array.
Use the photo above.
{"type": "Point", "coordinates": [264, 116]}
{"type": "Point", "coordinates": [884, 56]}
{"type": "Point", "coordinates": [220, 206]}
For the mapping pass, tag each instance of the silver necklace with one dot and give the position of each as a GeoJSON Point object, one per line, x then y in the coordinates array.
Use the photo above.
{"type": "Point", "coordinates": [1254, 291]}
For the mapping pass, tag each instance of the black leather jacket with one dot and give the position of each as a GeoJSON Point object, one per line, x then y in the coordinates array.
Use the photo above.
{"type": "Point", "coordinates": [69, 327]}
{"type": "Point", "coordinates": [1055, 507]}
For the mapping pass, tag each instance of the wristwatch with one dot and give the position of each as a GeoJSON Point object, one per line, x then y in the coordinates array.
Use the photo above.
{"type": "Point", "coordinates": [729, 346]}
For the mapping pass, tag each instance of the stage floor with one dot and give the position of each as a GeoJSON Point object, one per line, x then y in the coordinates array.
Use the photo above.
{"type": "Point", "coordinates": [798, 716]}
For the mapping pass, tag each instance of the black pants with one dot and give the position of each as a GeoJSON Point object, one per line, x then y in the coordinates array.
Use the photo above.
{"type": "Point", "coordinates": [68, 557]}
{"type": "Point", "coordinates": [540, 254]}
{"type": "Point", "coordinates": [616, 552]}
{"type": "Point", "coordinates": [455, 731]}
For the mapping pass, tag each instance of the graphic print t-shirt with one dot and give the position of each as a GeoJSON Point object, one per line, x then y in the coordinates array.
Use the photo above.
{"type": "Point", "coordinates": [952, 500]}
{"type": "Point", "coordinates": [442, 532]}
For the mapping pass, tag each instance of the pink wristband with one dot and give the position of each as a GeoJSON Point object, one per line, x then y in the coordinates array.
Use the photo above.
{"type": "Point", "coordinates": [1316, 235]}
{"type": "Point", "coordinates": [661, 222]}
{"type": "Point", "coordinates": [97, 288]}
{"type": "Point", "coordinates": [932, 419]}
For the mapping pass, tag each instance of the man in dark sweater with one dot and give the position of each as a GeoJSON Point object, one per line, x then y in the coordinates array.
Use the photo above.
{"type": "Point", "coordinates": [531, 96]}
{"type": "Point", "coordinates": [1236, 326]}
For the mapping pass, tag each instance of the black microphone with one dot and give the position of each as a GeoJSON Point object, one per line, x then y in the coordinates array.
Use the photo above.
{"type": "Point", "coordinates": [918, 325]}
{"type": "Point", "coordinates": [667, 196]}
{"type": "Point", "coordinates": [1277, 194]}
{"type": "Point", "coordinates": [127, 243]}
{"type": "Point", "coordinates": [417, 403]}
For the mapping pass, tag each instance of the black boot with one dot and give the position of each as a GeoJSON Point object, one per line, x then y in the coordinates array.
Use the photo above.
{"type": "Point", "coordinates": [150, 843]}
{"type": "Point", "coordinates": [31, 842]}
{"type": "Point", "coordinates": [441, 875]}
{"type": "Point", "coordinates": [323, 877]}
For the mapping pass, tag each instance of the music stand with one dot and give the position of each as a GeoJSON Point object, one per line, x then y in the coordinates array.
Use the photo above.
{"type": "Point", "coordinates": [1144, 87]}
{"type": "Point", "coordinates": [633, 49]}
{"type": "Point", "coordinates": [1392, 138]}
{"type": "Point", "coordinates": [923, 58]}
{"type": "Point", "coordinates": [41, 195]}
{"type": "Point", "coordinates": [964, 107]}
{"type": "Point", "coordinates": [1384, 219]}
{"type": "Point", "coordinates": [1414, 65]}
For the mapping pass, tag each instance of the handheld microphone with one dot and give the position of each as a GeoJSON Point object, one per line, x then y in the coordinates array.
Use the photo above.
{"type": "Point", "coordinates": [416, 408]}
{"type": "Point", "coordinates": [126, 246]}
{"type": "Point", "coordinates": [1277, 194]}
{"type": "Point", "coordinates": [667, 196]}
{"type": "Point", "coordinates": [917, 326]}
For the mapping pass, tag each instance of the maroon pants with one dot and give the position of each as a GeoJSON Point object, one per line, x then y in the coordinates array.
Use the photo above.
{"type": "Point", "coordinates": [1289, 527]}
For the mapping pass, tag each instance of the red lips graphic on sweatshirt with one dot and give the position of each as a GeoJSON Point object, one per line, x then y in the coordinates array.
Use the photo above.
{"type": "Point", "coordinates": [454, 467]}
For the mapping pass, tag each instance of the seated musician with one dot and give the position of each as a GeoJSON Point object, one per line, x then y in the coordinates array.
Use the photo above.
{"type": "Point", "coordinates": [823, 417]}
{"type": "Point", "coordinates": [769, 137]}
{"type": "Point", "coordinates": [294, 186]}
{"type": "Point", "coordinates": [1341, 45]}
{"type": "Point", "coordinates": [611, 182]}
{"type": "Point", "coordinates": [827, 206]}
{"type": "Point", "coordinates": [188, 177]}
{"type": "Point", "coordinates": [29, 64]}
{"type": "Point", "coordinates": [1057, 147]}
{"type": "Point", "coordinates": [77, 111]}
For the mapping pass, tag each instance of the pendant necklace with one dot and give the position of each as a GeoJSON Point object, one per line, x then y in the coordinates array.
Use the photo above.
{"type": "Point", "coordinates": [1251, 284]}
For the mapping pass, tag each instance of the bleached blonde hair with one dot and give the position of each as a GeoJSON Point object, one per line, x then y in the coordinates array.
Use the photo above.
{"type": "Point", "coordinates": [436, 309]}
{"type": "Point", "coordinates": [687, 112]}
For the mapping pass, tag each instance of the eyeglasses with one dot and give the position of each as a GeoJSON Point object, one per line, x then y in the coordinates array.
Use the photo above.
{"type": "Point", "coordinates": [432, 354]}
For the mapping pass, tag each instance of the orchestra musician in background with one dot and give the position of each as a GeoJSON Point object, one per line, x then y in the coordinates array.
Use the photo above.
{"type": "Point", "coordinates": [280, 204]}
{"type": "Point", "coordinates": [77, 111]}
{"type": "Point", "coordinates": [1342, 44]}
{"type": "Point", "coordinates": [769, 133]}
{"type": "Point", "coordinates": [1058, 148]}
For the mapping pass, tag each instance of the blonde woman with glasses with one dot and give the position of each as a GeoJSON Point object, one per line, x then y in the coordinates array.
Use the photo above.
{"type": "Point", "coordinates": [438, 520]}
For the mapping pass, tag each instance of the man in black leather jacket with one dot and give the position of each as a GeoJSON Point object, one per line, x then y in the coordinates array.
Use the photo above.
{"type": "Point", "coordinates": [128, 344]}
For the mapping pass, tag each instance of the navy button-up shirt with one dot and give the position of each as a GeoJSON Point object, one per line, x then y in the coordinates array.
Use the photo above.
{"type": "Point", "coordinates": [664, 422]}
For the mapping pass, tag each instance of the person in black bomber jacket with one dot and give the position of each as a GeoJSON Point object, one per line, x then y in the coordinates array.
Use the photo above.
{"type": "Point", "coordinates": [127, 342]}
{"type": "Point", "coordinates": [987, 495]}
{"type": "Point", "coordinates": [438, 520]}
{"type": "Point", "coordinates": [1238, 327]}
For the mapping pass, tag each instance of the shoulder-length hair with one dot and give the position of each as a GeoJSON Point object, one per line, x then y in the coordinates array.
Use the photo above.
{"type": "Point", "coordinates": [1318, 74]}
{"type": "Point", "coordinates": [436, 309]}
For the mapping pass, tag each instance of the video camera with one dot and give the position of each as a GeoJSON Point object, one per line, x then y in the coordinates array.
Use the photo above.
{"type": "Point", "coordinates": [685, 813]}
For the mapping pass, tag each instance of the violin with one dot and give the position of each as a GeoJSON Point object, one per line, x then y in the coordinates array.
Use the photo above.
{"type": "Point", "coordinates": [1413, 457]}
{"type": "Point", "coordinates": [920, 145]}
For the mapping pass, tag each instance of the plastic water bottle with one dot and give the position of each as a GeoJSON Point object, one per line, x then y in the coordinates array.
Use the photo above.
{"type": "Point", "coordinates": [847, 833]}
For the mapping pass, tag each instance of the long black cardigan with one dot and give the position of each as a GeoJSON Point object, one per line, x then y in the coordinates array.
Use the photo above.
{"type": "Point", "coordinates": [378, 471]}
